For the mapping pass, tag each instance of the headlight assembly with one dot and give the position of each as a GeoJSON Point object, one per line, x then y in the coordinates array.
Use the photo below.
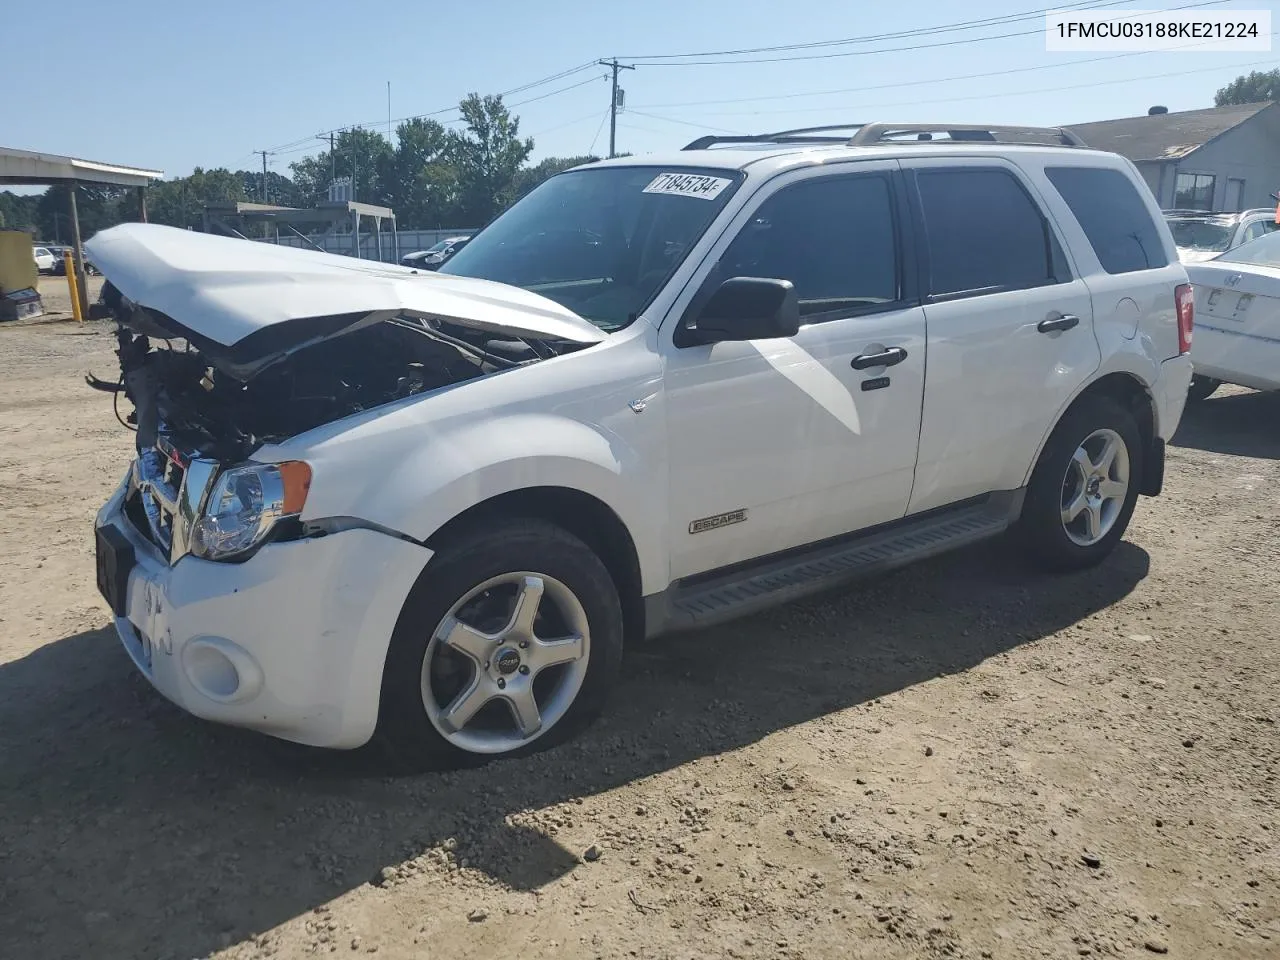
{"type": "Point", "coordinates": [245, 505]}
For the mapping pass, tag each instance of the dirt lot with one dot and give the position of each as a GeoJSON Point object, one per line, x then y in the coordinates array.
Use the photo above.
{"type": "Point", "coordinates": [960, 760]}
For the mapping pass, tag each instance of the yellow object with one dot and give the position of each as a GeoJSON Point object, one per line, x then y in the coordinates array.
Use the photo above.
{"type": "Point", "coordinates": [71, 285]}
{"type": "Point", "coordinates": [17, 263]}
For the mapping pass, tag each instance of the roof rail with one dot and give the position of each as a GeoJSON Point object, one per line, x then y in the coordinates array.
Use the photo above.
{"type": "Point", "coordinates": [866, 134]}
{"type": "Point", "coordinates": [801, 135]}
{"type": "Point", "coordinates": [873, 133]}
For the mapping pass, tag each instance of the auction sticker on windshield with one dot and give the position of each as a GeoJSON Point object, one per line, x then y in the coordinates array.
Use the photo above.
{"type": "Point", "coordinates": [688, 185]}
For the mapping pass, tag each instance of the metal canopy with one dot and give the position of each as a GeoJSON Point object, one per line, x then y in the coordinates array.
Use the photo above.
{"type": "Point", "coordinates": [29, 168]}
{"type": "Point", "coordinates": [227, 217]}
{"type": "Point", "coordinates": [36, 169]}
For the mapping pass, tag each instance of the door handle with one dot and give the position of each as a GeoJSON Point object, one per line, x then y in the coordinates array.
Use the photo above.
{"type": "Point", "coordinates": [1064, 322]}
{"type": "Point", "coordinates": [887, 358]}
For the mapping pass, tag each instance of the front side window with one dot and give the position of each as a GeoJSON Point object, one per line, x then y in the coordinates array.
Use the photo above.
{"type": "Point", "coordinates": [985, 233]}
{"type": "Point", "coordinates": [1194, 191]}
{"type": "Point", "coordinates": [1113, 216]}
{"type": "Point", "coordinates": [833, 238]}
{"type": "Point", "coordinates": [601, 242]}
{"type": "Point", "coordinates": [1259, 228]}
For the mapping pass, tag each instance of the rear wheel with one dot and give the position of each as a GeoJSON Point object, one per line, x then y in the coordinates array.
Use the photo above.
{"type": "Point", "coordinates": [507, 645]}
{"type": "Point", "coordinates": [1202, 388]}
{"type": "Point", "coordinates": [1084, 488]}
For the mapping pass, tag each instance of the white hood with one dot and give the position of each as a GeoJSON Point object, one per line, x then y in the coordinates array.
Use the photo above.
{"type": "Point", "coordinates": [225, 289]}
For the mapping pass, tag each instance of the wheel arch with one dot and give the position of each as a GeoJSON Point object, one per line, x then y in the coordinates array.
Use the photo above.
{"type": "Point", "coordinates": [585, 516]}
{"type": "Point", "coordinates": [1132, 393]}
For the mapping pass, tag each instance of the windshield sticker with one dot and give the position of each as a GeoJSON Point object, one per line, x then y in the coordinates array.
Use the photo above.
{"type": "Point", "coordinates": [688, 185]}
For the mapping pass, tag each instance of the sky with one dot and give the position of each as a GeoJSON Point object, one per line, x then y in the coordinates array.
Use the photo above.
{"type": "Point", "coordinates": [174, 84]}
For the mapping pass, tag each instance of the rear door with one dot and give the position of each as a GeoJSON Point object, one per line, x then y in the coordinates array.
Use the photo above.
{"type": "Point", "coordinates": [1010, 327]}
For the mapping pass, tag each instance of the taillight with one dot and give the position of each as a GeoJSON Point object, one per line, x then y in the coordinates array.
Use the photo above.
{"type": "Point", "coordinates": [1185, 299]}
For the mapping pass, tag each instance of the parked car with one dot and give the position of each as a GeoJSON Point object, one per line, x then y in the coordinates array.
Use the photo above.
{"type": "Point", "coordinates": [655, 394]}
{"type": "Point", "coordinates": [60, 267]}
{"type": "Point", "coordinates": [45, 260]}
{"type": "Point", "coordinates": [1238, 309]}
{"type": "Point", "coordinates": [434, 256]}
{"type": "Point", "coordinates": [1202, 236]}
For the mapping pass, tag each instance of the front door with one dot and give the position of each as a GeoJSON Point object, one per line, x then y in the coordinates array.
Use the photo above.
{"type": "Point", "coordinates": [778, 443]}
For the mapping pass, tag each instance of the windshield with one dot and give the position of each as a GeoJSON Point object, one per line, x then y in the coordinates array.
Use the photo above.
{"type": "Point", "coordinates": [1202, 234]}
{"type": "Point", "coordinates": [1263, 252]}
{"type": "Point", "coordinates": [601, 242]}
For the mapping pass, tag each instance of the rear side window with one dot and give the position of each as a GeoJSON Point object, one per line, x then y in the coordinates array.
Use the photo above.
{"type": "Point", "coordinates": [1112, 215]}
{"type": "Point", "coordinates": [985, 233]}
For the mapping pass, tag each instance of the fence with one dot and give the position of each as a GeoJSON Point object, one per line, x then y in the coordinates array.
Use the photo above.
{"type": "Point", "coordinates": [410, 241]}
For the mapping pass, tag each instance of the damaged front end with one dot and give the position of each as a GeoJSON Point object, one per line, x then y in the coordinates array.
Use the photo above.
{"type": "Point", "coordinates": [226, 345]}
{"type": "Point", "coordinates": [192, 416]}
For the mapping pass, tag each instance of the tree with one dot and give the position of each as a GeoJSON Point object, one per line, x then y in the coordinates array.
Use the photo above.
{"type": "Point", "coordinates": [363, 155]}
{"type": "Point", "coordinates": [280, 189]}
{"type": "Point", "coordinates": [1251, 88]}
{"type": "Point", "coordinates": [96, 206]}
{"type": "Point", "coordinates": [530, 177]}
{"type": "Point", "coordinates": [180, 202]}
{"type": "Point", "coordinates": [422, 184]}
{"type": "Point", "coordinates": [486, 157]}
{"type": "Point", "coordinates": [18, 212]}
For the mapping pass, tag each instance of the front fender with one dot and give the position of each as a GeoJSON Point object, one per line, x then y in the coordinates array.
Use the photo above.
{"type": "Point", "coordinates": [455, 466]}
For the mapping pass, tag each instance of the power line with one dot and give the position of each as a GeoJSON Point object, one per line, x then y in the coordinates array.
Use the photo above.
{"type": "Point", "coordinates": [988, 96]}
{"type": "Point", "coordinates": [905, 83]}
{"type": "Point", "coordinates": [683, 123]}
{"type": "Point", "coordinates": [867, 53]}
{"type": "Point", "coordinates": [897, 35]}
{"type": "Point", "coordinates": [445, 110]}
{"type": "Point", "coordinates": [591, 150]}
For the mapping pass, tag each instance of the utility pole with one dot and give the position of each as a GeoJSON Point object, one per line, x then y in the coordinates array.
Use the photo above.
{"type": "Point", "coordinates": [615, 66]}
{"type": "Point", "coordinates": [264, 173]}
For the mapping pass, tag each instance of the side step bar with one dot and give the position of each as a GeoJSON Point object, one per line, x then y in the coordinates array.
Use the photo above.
{"type": "Point", "coordinates": [706, 599]}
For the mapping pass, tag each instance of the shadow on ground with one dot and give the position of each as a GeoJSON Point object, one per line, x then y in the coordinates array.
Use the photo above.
{"type": "Point", "coordinates": [134, 830]}
{"type": "Point", "coordinates": [1239, 424]}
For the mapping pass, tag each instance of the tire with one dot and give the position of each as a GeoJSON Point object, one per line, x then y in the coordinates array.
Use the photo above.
{"type": "Point", "coordinates": [1060, 485]}
{"type": "Point", "coordinates": [1202, 388]}
{"type": "Point", "coordinates": [575, 597]}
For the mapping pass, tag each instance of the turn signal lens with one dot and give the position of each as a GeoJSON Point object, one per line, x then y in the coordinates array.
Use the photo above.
{"type": "Point", "coordinates": [296, 477]}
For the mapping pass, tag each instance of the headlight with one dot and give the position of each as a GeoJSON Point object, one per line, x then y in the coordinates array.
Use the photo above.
{"type": "Point", "coordinates": [246, 503]}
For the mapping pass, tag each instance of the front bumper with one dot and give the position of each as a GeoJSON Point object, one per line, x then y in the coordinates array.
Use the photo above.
{"type": "Point", "coordinates": [290, 642]}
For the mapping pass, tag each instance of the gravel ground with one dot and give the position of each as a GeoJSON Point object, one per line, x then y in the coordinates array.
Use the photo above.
{"type": "Point", "coordinates": [959, 760]}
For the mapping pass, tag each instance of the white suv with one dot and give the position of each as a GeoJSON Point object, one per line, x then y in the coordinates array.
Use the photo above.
{"type": "Point", "coordinates": [427, 509]}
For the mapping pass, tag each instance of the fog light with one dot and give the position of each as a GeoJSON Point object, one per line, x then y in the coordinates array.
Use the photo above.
{"type": "Point", "coordinates": [221, 670]}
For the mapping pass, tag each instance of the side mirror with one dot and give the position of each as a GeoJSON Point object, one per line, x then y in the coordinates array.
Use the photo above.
{"type": "Point", "coordinates": [748, 308]}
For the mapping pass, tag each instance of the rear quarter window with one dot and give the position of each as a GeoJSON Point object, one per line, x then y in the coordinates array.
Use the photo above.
{"type": "Point", "coordinates": [1112, 215]}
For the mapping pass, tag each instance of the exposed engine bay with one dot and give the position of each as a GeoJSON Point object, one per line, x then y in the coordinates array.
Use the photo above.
{"type": "Point", "coordinates": [185, 390]}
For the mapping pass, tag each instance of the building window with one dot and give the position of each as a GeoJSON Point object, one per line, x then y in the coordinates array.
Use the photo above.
{"type": "Point", "coordinates": [1194, 191]}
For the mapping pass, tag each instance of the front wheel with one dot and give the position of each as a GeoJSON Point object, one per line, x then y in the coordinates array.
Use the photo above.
{"type": "Point", "coordinates": [508, 644]}
{"type": "Point", "coordinates": [1084, 487]}
{"type": "Point", "coordinates": [1202, 388]}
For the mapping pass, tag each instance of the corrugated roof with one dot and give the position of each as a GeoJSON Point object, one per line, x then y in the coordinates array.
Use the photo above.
{"type": "Point", "coordinates": [1165, 136]}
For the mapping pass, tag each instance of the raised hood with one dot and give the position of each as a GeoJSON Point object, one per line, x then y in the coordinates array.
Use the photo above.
{"type": "Point", "coordinates": [229, 291]}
